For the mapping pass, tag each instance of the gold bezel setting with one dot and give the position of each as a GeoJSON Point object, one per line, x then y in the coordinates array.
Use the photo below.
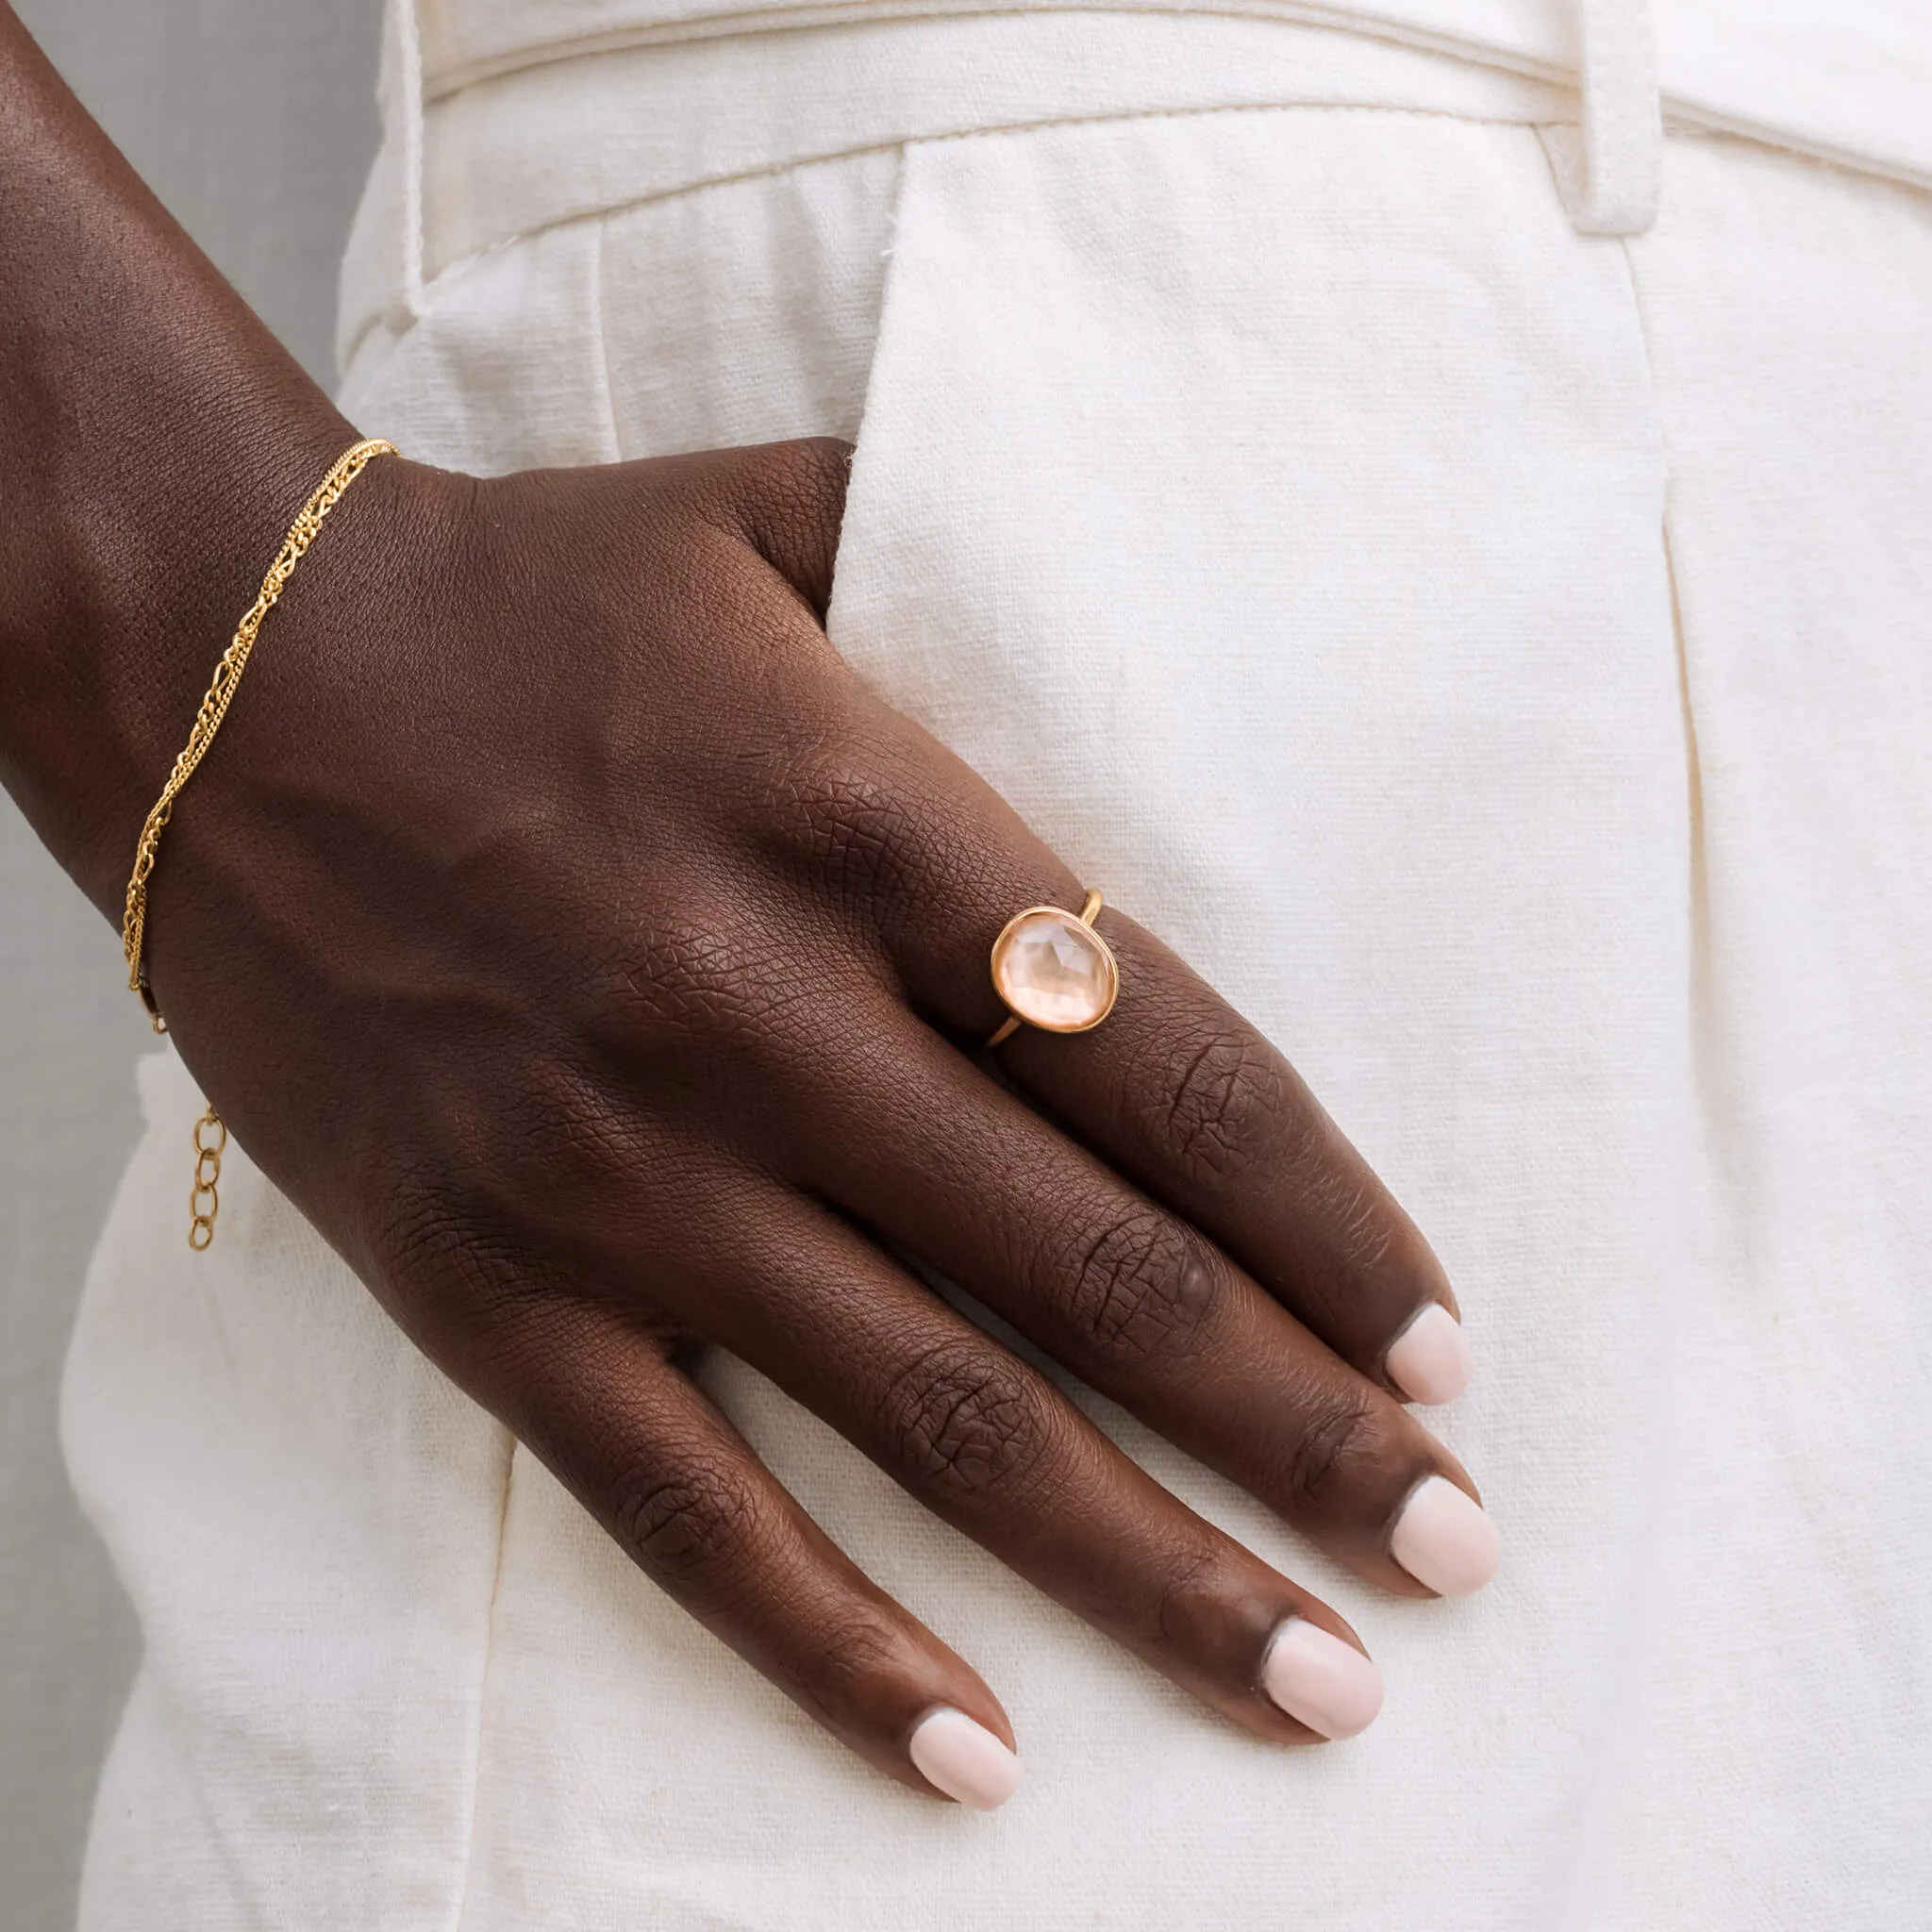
{"type": "Point", "coordinates": [1083, 918]}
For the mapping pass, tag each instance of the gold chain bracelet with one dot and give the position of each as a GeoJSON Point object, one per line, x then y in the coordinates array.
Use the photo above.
{"type": "Point", "coordinates": [207, 721]}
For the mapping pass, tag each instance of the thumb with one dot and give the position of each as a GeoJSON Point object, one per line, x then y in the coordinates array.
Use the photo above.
{"type": "Point", "coordinates": [787, 501]}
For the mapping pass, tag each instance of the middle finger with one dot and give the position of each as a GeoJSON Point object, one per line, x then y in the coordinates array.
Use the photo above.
{"type": "Point", "coordinates": [1146, 1310]}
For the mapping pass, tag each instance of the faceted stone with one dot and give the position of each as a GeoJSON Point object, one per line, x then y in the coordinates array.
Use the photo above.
{"type": "Point", "coordinates": [1054, 972]}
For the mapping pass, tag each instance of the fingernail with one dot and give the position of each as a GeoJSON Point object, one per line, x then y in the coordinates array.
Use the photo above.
{"type": "Point", "coordinates": [1329, 1685]}
{"type": "Point", "coordinates": [1446, 1540]}
{"type": "Point", "coordinates": [1429, 1360]}
{"type": "Point", "coordinates": [964, 1760]}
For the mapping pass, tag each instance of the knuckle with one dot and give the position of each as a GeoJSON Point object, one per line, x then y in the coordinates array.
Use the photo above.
{"type": "Point", "coordinates": [437, 1244]}
{"type": "Point", "coordinates": [1340, 1436]}
{"type": "Point", "coordinates": [691, 1530]}
{"type": "Point", "coordinates": [1220, 1096]}
{"type": "Point", "coordinates": [1353, 1216]}
{"type": "Point", "coordinates": [692, 975]}
{"type": "Point", "coordinates": [836, 815]}
{"type": "Point", "coordinates": [418, 1228]}
{"type": "Point", "coordinates": [747, 994]}
{"type": "Point", "coordinates": [1189, 1593]}
{"type": "Point", "coordinates": [454, 1264]}
{"type": "Point", "coordinates": [1364, 1224]}
{"type": "Point", "coordinates": [573, 1151]}
{"type": "Point", "coordinates": [1373, 1257]}
{"type": "Point", "coordinates": [965, 1428]}
{"type": "Point", "coordinates": [850, 1659]}
{"type": "Point", "coordinates": [569, 1131]}
{"type": "Point", "coordinates": [1140, 1287]}
{"type": "Point", "coordinates": [838, 1669]}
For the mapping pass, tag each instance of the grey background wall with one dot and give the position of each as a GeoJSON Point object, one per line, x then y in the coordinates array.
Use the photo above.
{"type": "Point", "coordinates": [254, 120]}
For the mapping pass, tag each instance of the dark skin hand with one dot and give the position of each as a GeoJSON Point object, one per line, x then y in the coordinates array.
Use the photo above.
{"type": "Point", "coordinates": [601, 969]}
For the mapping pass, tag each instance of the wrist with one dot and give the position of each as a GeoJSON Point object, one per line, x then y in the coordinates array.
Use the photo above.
{"type": "Point", "coordinates": [322, 739]}
{"type": "Point", "coordinates": [122, 599]}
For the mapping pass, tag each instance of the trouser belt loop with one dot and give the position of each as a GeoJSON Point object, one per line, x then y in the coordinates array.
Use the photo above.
{"type": "Point", "coordinates": [1623, 120]}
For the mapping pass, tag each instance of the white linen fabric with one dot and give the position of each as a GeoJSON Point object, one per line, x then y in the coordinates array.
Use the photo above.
{"type": "Point", "coordinates": [1500, 658]}
{"type": "Point", "coordinates": [1843, 79]}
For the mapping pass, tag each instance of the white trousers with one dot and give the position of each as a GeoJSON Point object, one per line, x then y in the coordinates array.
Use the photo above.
{"type": "Point", "coordinates": [1501, 660]}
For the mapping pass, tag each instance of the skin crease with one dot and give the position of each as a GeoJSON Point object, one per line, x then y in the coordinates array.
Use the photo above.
{"type": "Point", "coordinates": [600, 967]}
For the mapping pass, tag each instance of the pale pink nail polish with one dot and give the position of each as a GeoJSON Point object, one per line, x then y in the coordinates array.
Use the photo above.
{"type": "Point", "coordinates": [1446, 1540]}
{"type": "Point", "coordinates": [1328, 1685]}
{"type": "Point", "coordinates": [964, 1760]}
{"type": "Point", "coordinates": [1429, 1360]}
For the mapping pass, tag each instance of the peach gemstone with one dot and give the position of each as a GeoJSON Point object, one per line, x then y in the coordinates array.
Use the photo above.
{"type": "Point", "coordinates": [1054, 972]}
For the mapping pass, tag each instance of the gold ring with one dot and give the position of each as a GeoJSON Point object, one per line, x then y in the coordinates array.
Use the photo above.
{"type": "Point", "coordinates": [1052, 971]}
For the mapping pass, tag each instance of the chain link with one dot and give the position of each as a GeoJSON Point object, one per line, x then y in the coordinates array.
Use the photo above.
{"type": "Point", "coordinates": [207, 721]}
{"type": "Point", "coordinates": [208, 1175]}
{"type": "Point", "coordinates": [221, 691]}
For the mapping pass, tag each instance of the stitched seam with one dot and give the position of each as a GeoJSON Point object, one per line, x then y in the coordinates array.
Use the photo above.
{"type": "Point", "coordinates": [887, 283]}
{"type": "Point", "coordinates": [1563, 170]}
{"type": "Point", "coordinates": [1716, 1124]}
{"type": "Point", "coordinates": [822, 16]}
{"type": "Point", "coordinates": [600, 343]}
{"type": "Point", "coordinates": [1677, 125]}
{"type": "Point", "coordinates": [1101, 118]}
{"type": "Point", "coordinates": [414, 145]}
{"type": "Point", "coordinates": [509, 1469]}
{"type": "Point", "coordinates": [1571, 1873]}
{"type": "Point", "coordinates": [1705, 1070]}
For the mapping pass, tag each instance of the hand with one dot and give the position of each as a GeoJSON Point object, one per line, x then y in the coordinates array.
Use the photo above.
{"type": "Point", "coordinates": [602, 968]}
